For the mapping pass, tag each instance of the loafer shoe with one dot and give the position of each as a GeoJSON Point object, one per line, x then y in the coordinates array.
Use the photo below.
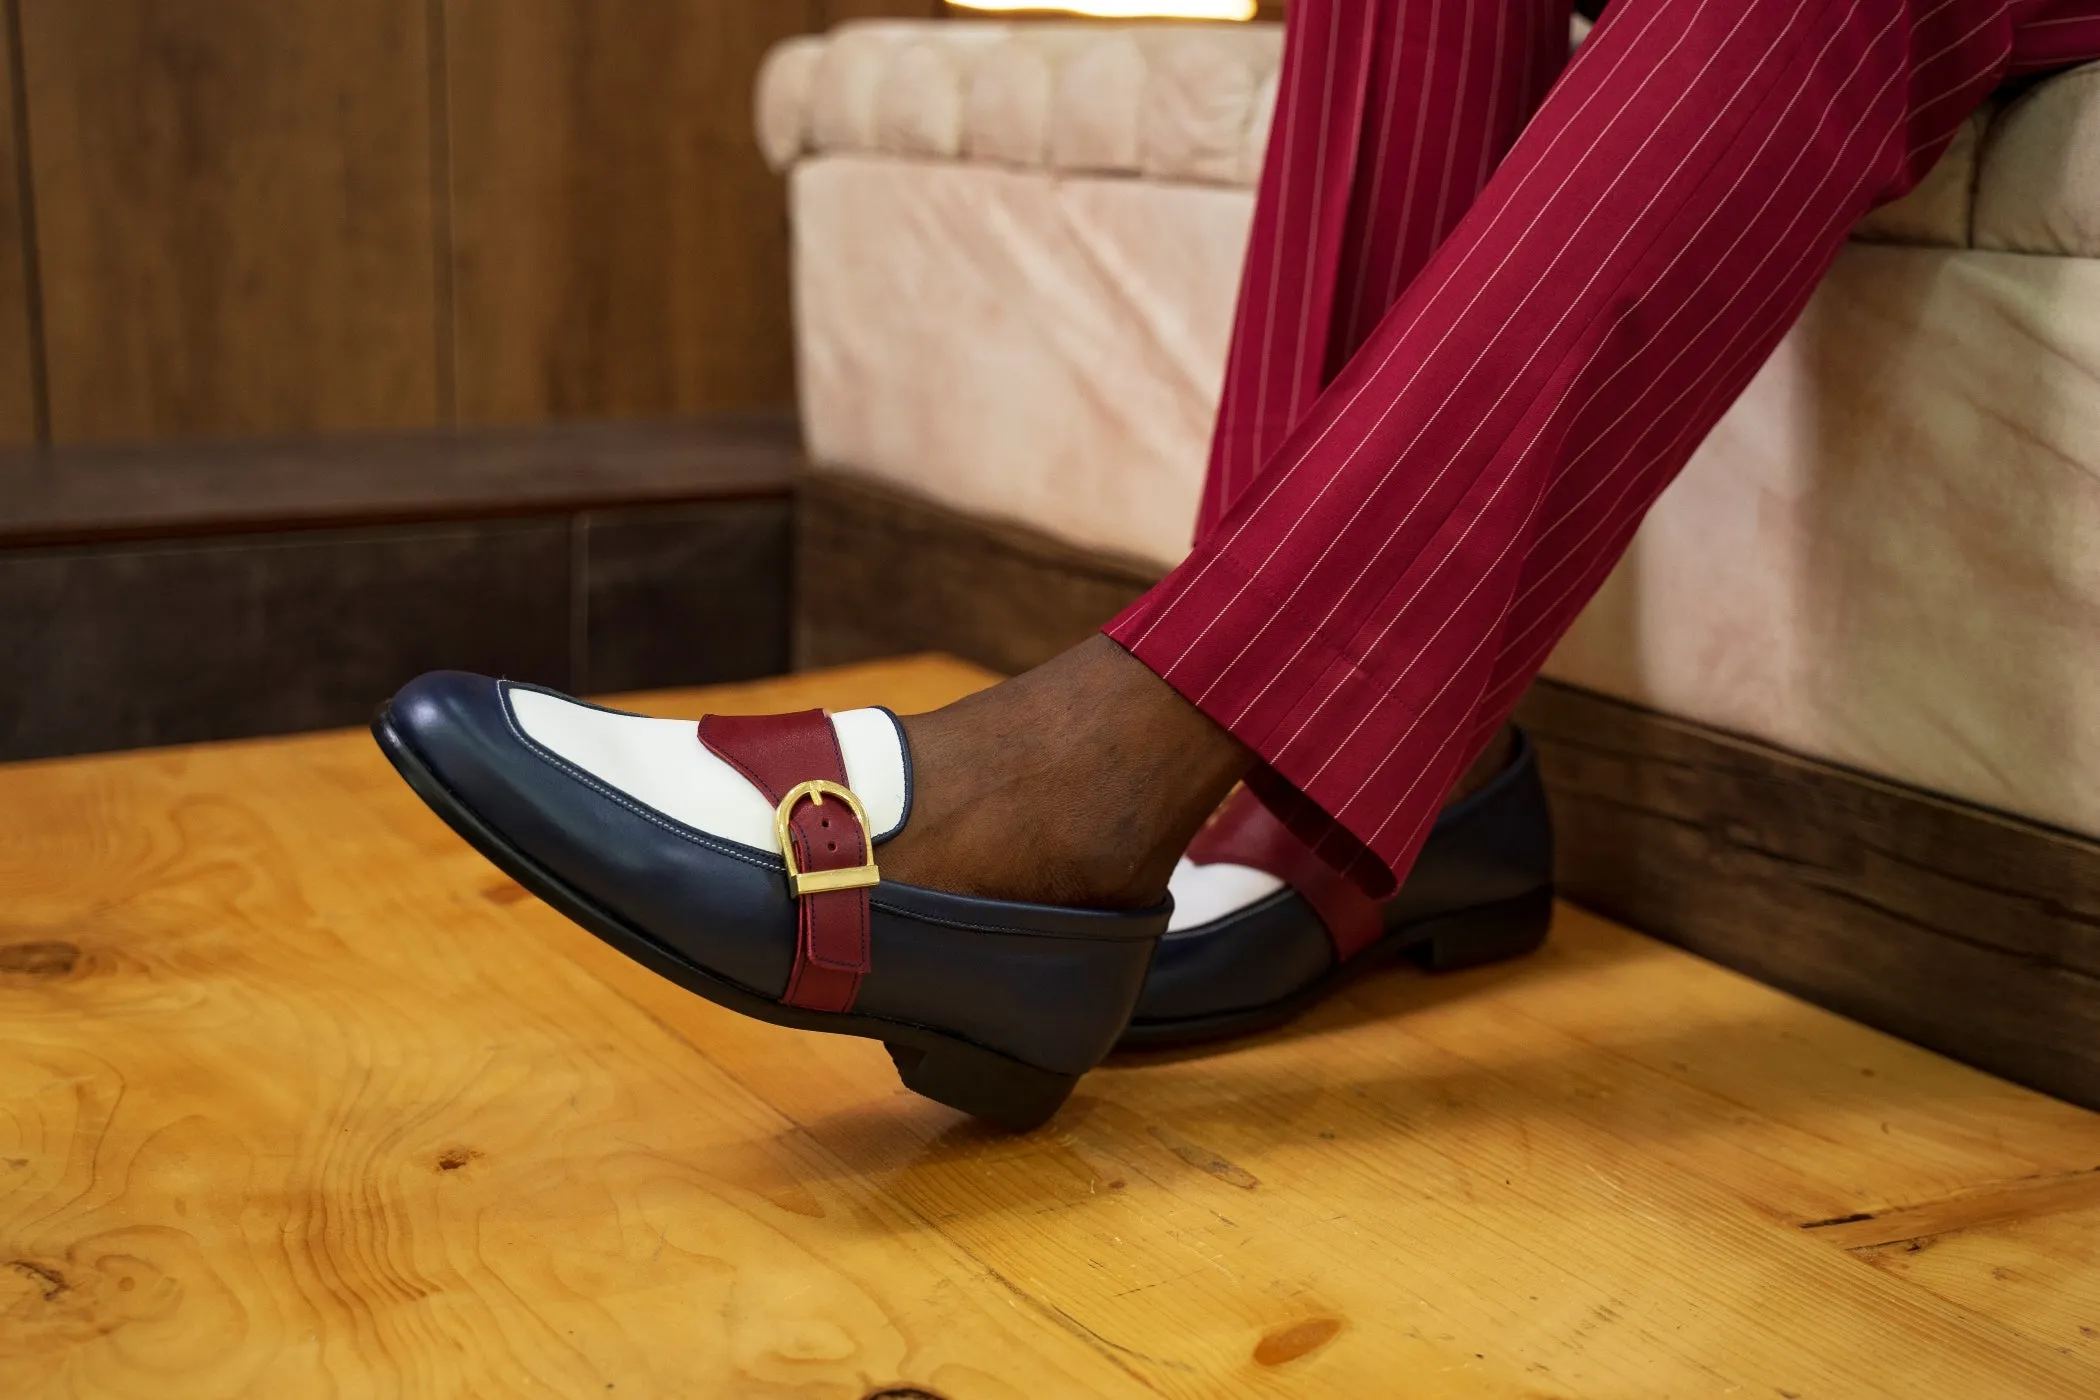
{"type": "Point", "coordinates": [1262, 928]}
{"type": "Point", "coordinates": [738, 857]}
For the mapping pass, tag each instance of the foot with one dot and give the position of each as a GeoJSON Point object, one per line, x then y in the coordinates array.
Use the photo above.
{"type": "Point", "coordinates": [1262, 929]}
{"type": "Point", "coordinates": [1079, 783]}
{"type": "Point", "coordinates": [732, 857]}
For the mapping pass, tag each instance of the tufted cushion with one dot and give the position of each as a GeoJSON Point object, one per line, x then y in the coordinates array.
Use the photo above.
{"type": "Point", "coordinates": [1171, 100]}
{"type": "Point", "coordinates": [920, 90]}
{"type": "Point", "coordinates": [1094, 107]}
{"type": "Point", "coordinates": [1192, 103]}
{"type": "Point", "coordinates": [1006, 110]}
{"type": "Point", "coordinates": [1198, 101]}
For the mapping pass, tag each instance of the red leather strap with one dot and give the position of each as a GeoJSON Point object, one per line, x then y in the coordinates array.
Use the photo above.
{"type": "Point", "coordinates": [778, 752]}
{"type": "Point", "coordinates": [1244, 832]}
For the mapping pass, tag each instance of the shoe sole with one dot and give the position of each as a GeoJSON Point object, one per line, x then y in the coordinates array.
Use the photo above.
{"type": "Point", "coordinates": [1490, 933]}
{"type": "Point", "coordinates": [945, 1068]}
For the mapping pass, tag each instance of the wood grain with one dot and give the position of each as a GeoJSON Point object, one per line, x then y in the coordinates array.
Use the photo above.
{"type": "Point", "coordinates": [2040, 1277]}
{"type": "Point", "coordinates": [234, 215]}
{"type": "Point", "coordinates": [832, 12]}
{"type": "Point", "coordinates": [1975, 933]}
{"type": "Point", "coordinates": [620, 247]}
{"type": "Point", "coordinates": [19, 387]}
{"type": "Point", "coordinates": [299, 1095]}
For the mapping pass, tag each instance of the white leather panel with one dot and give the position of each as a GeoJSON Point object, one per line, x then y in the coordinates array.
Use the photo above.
{"type": "Point", "coordinates": [662, 764]}
{"type": "Point", "coordinates": [1206, 892]}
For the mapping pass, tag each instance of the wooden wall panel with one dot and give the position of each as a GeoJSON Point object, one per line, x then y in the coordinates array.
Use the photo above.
{"type": "Point", "coordinates": [18, 386]}
{"type": "Point", "coordinates": [832, 12]}
{"type": "Point", "coordinates": [234, 209]}
{"type": "Point", "coordinates": [1967, 931]}
{"type": "Point", "coordinates": [621, 250]}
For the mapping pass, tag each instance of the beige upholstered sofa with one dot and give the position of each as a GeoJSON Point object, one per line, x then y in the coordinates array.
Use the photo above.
{"type": "Point", "coordinates": [1015, 257]}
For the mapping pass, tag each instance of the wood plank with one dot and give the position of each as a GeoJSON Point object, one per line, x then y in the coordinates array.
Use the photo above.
{"type": "Point", "coordinates": [839, 11]}
{"type": "Point", "coordinates": [138, 644]}
{"type": "Point", "coordinates": [235, 220]}
{"type": "Point", "coordinates": [20, 391]}
{"type": "Point", "coordinates": [2021, 1199]}
{"type": "Point", "coordinates": [2038, 1277]}
{"type": "Point", "coordinates": [683, 595]}
{"type": "Point", "coordinates": [161, 490]}
{"type": "Point", "coordinates": [883, 573]}
{"type": "Point", "coordinates": [1965, 930]}
{"type": "Point", "coordinates": [620, 247]}
{"type": "Point", "coordinates": [300, 1093]}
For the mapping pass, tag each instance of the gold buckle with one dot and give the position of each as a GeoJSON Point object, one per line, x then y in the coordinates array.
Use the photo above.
{"type": "Point", "coordinates": [822, 881]}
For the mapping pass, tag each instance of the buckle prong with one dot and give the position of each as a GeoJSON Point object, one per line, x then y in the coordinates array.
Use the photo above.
{"type": "Point", "coordinates": [852, 877]}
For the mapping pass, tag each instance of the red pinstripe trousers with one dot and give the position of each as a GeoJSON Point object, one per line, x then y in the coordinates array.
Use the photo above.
{"type": "Point", "coordinates": [1490, 308]}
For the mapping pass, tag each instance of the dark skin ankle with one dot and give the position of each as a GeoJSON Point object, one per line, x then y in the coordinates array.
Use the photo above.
{"type": "Point", "coordinates": [1079, 783]}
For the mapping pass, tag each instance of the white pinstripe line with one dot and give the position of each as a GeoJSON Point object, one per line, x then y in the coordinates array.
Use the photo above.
{"type": "Point", "coordinates": [1632, 521]}
{"type": "Point", "coordinates": [1574, 303]}
{"type": "Point", "coordinates": [1714, 386]}
{"type": "Point", "coordinates": [1458, 106]}
{"type": "Point", "coordinates": [1629, 522]}
{"type": "Point", "coordinates": [1516, 465]}
{"type": "Point", "coordinates": [1269, 481]}
{"type": "Point", "coordinates": [1626, 524]}
{"type": "Point", "coordinates": [1223, 437]}
{"type": "Point", "coordinates": [1922, 64]}
{"type": "Point", "coordinates": [1390, 408]}
{"type": "Point", "coordinates": [1406, 228]}
{"type": "Point", "coordinates": [1319, 710]}
{"type": "Point", "coordinates": [1173, 604]}
{"type": "Point", "coordinates": [1378, 166]}
{"type": "Point", "coordinates": [1735, 373]}
{"type": "Point", "coordinates": [1456, 671]}
{"type": "Point", "coordinates": [1279, 227]}
{"type": "Point", "coordinates": [1658, 378]}
{"type": "Point", "coordinates": [1719, 261]}
{"type": "Point", "coordinates": [1312, 263]}
{"type": "Point", "coordinates": [1494, 102]}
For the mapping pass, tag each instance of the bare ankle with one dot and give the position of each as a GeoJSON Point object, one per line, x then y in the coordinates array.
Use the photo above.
{"type": "Point", "coordinates": [1080, 782]}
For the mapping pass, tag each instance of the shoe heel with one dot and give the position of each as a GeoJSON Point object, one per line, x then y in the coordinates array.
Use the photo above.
{"type": "Point", "coordinates": [1492, 934]}
{"type": "Point", "coordinates": [983, 1083]}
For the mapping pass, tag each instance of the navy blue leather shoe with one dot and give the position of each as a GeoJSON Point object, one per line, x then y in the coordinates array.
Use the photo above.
{"type": "Point", "coordinates": [738, 858]}
{"type": "Point", "coordinates": [1262, 928]}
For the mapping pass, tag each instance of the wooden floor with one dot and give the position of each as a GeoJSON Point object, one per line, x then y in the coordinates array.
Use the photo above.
{"type": "Point", "coordinates": [299, 1097]}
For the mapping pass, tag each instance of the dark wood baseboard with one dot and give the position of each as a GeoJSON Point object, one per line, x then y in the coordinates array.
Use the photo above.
{"type": "Point", "coordinates": [1961, 929]}
{"type": "Point", "coordinates": [184, 593]}
{"type": "Point", "coordinates": [882, 573]}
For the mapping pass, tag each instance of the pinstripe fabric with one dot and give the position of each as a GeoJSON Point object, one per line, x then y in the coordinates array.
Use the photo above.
{"type": "Point", "coordinates": [1365, 608]}
{"type": "Point", "coordinates": [1390, 117]}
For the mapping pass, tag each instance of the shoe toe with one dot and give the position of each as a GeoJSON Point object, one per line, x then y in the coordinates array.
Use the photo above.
{"type": "Point", "coordinates": [535, 815]}
{"type": "Point", "coordinates": [449, 718]}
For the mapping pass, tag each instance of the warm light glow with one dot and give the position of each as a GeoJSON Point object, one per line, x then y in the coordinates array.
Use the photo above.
{"type": "Point", "coordinates": [1125, 9]}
